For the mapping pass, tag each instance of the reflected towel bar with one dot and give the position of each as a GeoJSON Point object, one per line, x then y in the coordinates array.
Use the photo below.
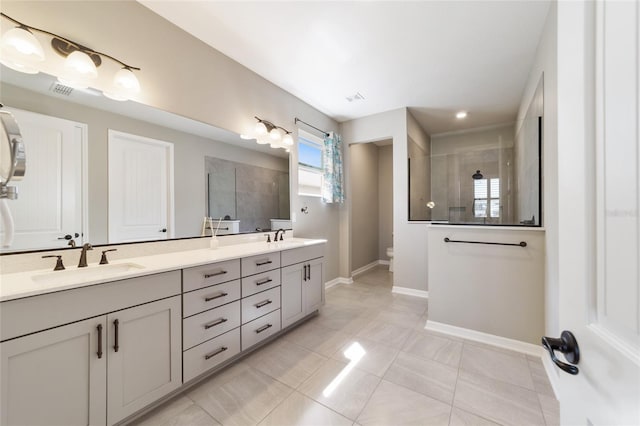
{"type": "Point", "coordinates": [520, 244]}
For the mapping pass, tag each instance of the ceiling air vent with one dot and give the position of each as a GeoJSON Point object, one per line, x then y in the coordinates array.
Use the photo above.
{"type": "Point", "coordinates": [61, 89]}
{"type": "Point", "coordinates": [357, 97]}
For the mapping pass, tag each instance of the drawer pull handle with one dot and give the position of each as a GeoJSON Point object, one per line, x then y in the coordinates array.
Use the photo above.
{"type": "Point", "coordinates": [263, 303]}
{"type": "Point", "coordinates": [215, 274]}
{"type": "Point", "coordinates": [263, 328]}
{"type": "Point", "coordinates": [216, 322]}
{"type": "Point", "coordinates": [218, 296]}
{"type": "Point", "coordinates": [266, 262]}
{"type": "Point", "coordinates": [268, 280]}
{"type": "Point", "coordinates": [219, 351]}
{"type": "Point", "coordinates": [99, 341]}
{"type": "Point", "coordinates": [116, 346]}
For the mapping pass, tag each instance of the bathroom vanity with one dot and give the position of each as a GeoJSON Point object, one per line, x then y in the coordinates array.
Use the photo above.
{"type": "Point", "coordinates": [97, 345]}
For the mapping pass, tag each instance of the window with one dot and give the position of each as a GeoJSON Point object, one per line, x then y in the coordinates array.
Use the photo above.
{"type": "Point", "coordinates": [309, 164]}
{"type": "Point", "coordinates": [486, 197]}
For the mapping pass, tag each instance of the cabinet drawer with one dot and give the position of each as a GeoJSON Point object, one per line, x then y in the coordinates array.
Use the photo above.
{"type": "Point", "coordinates": [210, 297]}
{"type": "Point", "coordinates": [260, 329]}
{"type": "Point", "coordinates": [260, 282]}
{"type": "Point", "coordinates": [206, 275]}
{"type": "Point", "coordinates": [209, 324]}
{"type": "Point", "coordinates": [259, 304]}
{"type": "Point", "coordinates": [302, 254]}
{"type": "Point", "coordinates": [201, 358]}
{"type": "Point", "coordinates": [260, 263]}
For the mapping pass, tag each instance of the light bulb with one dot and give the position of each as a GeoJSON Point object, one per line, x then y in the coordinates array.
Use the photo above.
{"type": "Point", "coordinates": [80, 63]}
{"type": "Point", "coordinates": [79, 71]}
{"type": "Point", "coordinates": [21, 51]}
{"type": "Point", "coordinates": [275, 134]}
{"type": "Point", "coordinates": [275, 145]}
{"type": "Point", "coordinates": [287, 140]}
{"type": "Point", "coordinates": [460, 115]}
{"type": "Point", "coordinates": [261, 129]}
{"type": "Point", "coordinates": [125, 85]}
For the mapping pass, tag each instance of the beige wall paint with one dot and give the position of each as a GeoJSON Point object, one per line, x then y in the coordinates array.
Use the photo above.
{"type": "Point", "coordinates": [409, 240]}
{"type": "Point", "coordinates": [385, 200]}
{"type": "Point", "coordinates": [546, 63]}
{"type": "Point", "coordinates": [181, 74]}
{"type": "Point", "coordinates": [497, 290]}
{"type": "Point", "coordinates": [364, 204]}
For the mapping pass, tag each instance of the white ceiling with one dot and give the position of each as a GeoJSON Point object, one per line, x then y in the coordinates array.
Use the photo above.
{"type": "Point", "coordinates": [436, 57]}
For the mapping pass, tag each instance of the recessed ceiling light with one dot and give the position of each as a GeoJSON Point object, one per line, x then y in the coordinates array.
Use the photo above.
{"type": "Point", "coordinates": [461, 115]}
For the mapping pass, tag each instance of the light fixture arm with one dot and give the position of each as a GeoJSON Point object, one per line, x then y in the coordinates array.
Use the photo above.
{"type": "Point", "coordinates": [270, 126]}
{"type": "Point", "coordinates": [78, 46]}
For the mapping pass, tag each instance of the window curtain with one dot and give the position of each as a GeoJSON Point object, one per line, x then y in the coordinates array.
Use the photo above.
{"type": "Point", "coordinates": [332, 173]}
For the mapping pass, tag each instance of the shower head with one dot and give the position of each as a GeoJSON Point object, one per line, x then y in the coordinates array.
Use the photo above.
{"type": "Point", "coordinates": [477, 175]}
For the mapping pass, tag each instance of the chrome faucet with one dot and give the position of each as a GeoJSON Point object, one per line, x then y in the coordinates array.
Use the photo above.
{"type": "Point", "coordinates": [276, 236]}
{"type": "Point", "coordinates": [83, 255]}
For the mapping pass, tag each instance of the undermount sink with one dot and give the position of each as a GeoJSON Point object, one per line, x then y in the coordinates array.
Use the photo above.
{"type": "Point", "coordinates": [86, 274]}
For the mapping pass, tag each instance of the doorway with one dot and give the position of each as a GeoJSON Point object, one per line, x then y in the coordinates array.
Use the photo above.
{"type": "Point", "coordinates": [371, 189]}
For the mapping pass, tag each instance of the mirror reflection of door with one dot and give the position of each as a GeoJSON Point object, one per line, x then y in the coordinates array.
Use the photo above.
{"type": "Point", "coordinates": [48, 212]}
{"type": "Point", "coordinates": [140, 188]}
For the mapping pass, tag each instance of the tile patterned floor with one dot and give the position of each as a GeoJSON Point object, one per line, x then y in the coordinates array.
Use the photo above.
{"type": "Point", "coordinates": [366, 360]}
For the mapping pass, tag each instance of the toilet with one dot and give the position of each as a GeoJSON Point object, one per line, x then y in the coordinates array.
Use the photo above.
{"type": "Point", "coordinates": [390, 255]}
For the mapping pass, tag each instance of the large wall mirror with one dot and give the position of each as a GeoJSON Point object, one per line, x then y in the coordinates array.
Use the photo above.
{"type": "Point", "coordinates": [485, 176]}
{"type": "Point", "coordinates": [75, 139]}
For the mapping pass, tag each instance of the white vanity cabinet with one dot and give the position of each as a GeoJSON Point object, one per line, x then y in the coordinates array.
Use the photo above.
{"type": "Point", "coordinates": [211, 316]}
{"type": "Point", "coordinates": [58, 353]}
{"type": "Point", "coordinates": [302, 283]}
{"type": "Point", "coordinates": [56, 376]}
{"type": "Point", "coordinates": [144, 356]}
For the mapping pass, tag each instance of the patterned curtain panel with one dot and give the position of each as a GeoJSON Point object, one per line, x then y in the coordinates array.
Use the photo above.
{"type": "Point", "coordinates": [333, 177]}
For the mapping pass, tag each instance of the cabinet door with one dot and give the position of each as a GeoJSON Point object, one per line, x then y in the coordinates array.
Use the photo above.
{"type": "Point", "coordinates": [292, 305]}
{"type": "Point", "coordinates": [145, 356]}
{"type": "Point", "coordinates": [313, 286]}
{"type": "Point", "coordinates": [55, 377]}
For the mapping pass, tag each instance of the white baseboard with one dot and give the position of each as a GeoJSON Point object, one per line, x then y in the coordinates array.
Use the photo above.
{"type": "Point", "coordinates": [336, 281]}
{"type": "Point", "coordinates": [410, 292]}
{"type": "Point", "coordinates": [383, 262]}
{"type": "Point", "coordinates": [365, 268]}
{"type": "Point", "coordinates": [552, 374]}
{"type": "Point", "coordinates": [491, 339]}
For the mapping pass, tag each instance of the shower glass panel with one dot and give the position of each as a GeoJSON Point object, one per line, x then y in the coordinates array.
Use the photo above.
{"type": "Point", "coordinates": [484, 176]}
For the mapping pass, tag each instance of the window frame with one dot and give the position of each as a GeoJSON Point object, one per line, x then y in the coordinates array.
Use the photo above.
{"type": "Point", "coordinates": [308, 139]}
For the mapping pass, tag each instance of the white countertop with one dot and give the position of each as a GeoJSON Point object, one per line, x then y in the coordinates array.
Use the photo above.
{"type": "Point", "coordinates": [32, 283]}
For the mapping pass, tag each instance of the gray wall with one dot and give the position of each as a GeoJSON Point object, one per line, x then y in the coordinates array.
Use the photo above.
{"type": "Point", "coordinates": [385, 200]}
{"type": "Point", "coordinates": [197, 82]}
{"type": "Point", "coordinates": [546, 63]}
{"type": "Point", "coordinates": [364, 207]}
{"type": "Point", "coordinates": [419, 180]}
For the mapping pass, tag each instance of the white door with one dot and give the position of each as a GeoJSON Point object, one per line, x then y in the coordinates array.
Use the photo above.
{"type": "Point", "coordinates": [599, 196]}
{"type": "Point", "coordinates": [50, 197]}
{"type": "Point", "coordinates": [56, 377]}
{"type": "Point", "coordinates": [292, 297]}
{"type": "Point", "coordinates": [145, 356]}
{"type": "Point", "coordinates": [140, 188]}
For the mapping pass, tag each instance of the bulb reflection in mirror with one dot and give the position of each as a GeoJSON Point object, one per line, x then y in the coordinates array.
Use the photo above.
{"type": "Point", "coordinates": [354, 354]}
{"type": "Point", "coordinates": [431, 204]}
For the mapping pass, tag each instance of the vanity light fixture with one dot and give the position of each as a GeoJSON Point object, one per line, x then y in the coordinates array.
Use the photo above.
{"type": "Point", "coordinates": [461, 114]}
{"type": "Point", "coordinates": [268, 133]}
{"type": "Point", "coordinates": [21, 51]}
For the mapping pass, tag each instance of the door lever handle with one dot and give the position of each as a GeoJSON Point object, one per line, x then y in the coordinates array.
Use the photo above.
{"type": "Point", "coordinates": [568, 345]}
